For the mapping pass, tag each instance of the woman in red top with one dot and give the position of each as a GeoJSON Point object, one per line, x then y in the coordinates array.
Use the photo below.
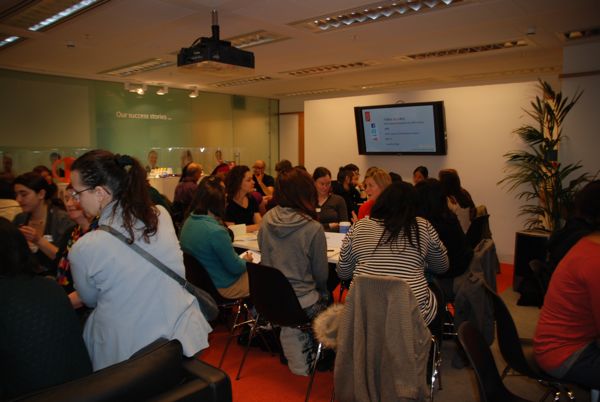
{"type": "Point", "coordinates": [567, 338]}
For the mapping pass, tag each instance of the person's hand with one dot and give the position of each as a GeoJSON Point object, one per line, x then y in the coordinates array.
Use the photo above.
{"type": "Point", "coordinates": [334, 226]}
{"type": "Point", "coordinates": [248, 256]}
{"type": "Point", "coordinates": [354, 218]}
{"type": "Point", "coordinates": [30, 234]}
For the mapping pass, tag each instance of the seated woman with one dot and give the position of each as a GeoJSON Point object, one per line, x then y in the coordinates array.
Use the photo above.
{"type": "Point", "coordinates": [46, 227]}
{"type": "Point", "coordinates": [376, 180]}
{"type": "Point", "coordinates": [567, 337]}
{"type": "Point", "coordinates": [394, 241]}
{"type": "Point", "coordinates": [331, 208]}
{"type": "Point", "coordinates": [292, 241]}
{"type": "Point", "coordinates": [459, 199]}
{"type": "Point", "coordinates": [40, 336]}
{"type": "Point", "coordinates": [205, 237]}
{"type": "Point", "coordinates": [241, 205]}
{"type": "Point", "coordinates": [433, 207]}
{"type": "Point", "coordinates": [134, 302]}
{"type": "Point", "coordinates": [83, 224]}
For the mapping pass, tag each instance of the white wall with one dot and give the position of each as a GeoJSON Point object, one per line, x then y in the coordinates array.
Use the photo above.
{"type": "Point", "coordinates": [582, 126]}
{"type": "Point", "coordinates": [288, 137]}
{"type": "Point", "coordinates": [479, 123]}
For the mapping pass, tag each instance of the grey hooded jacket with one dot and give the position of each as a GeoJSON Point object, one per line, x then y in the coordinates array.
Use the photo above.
{"type": "Point", "coordinates": [295, 245]}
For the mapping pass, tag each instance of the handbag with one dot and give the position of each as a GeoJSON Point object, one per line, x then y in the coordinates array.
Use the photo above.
{"type": "Point", "coordinates": [208, 306]}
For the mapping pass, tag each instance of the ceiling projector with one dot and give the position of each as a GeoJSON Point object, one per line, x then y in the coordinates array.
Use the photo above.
{"type": "Point", "coordinates": [214, 50]}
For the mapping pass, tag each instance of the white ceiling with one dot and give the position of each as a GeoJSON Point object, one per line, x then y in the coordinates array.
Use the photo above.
{"type": "Point", "coordinates": [124, 32]}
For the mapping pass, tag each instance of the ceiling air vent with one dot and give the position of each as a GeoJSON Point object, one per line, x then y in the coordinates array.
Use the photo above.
{"type": "Point", "coordinates": [242, 81]}
{"type": "Point", "coordinates": [329, 68]}
{"type": "Point", "coordinates": [510, 73]}
{"type": "Point", "coordinates": [459, 51]}
{"type": "Point", "coordinates": [139, 67]}
{"type": "Point", "coordinates": [256, 38]}
{"type": "Point", "coordinates": [309, 92]}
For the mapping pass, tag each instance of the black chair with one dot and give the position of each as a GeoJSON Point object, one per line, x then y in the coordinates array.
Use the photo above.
{"type": "Point", "coordinates": [158, 372]}
{"type": "Point", "coordinates": [477, 230]}
{"type": "Point", "coordinates": [275, 301]}
{"type": "Point", "coordinates": [518, 352]}
{"type": "Point", "coordinates": [196, 274]}
{"type": "Point", "coordinates": [437, 333]}
{"type": "Point", "coordinates": [490, 385]}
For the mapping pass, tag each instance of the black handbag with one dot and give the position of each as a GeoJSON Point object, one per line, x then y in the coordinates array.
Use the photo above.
{"type": "Point", "coordinates": [208, 306]}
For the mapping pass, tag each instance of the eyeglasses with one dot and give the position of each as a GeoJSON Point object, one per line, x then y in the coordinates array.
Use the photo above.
{"type": "Point", "coordinates": [76, 194]}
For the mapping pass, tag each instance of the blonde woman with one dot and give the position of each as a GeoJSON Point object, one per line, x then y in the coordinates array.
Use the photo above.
{"type": "Point", "coordinates": [376, 180]}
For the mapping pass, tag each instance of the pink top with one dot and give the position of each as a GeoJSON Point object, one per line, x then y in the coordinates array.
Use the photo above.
{"type": "Point", "coordinates": [570, 317]}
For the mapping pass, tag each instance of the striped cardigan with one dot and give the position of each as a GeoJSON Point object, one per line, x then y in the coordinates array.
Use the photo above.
{"type": "Point", "coordinates": [360, 254]}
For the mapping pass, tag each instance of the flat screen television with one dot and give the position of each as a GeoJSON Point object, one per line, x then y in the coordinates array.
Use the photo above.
{"type": "Point", "coordinates": [401, 129]}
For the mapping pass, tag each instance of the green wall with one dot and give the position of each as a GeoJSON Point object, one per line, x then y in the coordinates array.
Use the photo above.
{"type": "Point", "coordinates": [41, 113]}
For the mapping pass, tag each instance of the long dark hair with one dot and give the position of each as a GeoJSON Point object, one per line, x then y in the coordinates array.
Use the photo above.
{"type": "Point", "coordinates": [35, 182]}
{"type": "Point", "coordinates": [125, 177]}
{"type": "Point", "coordinates": [396, 207]}
{"type": "Point", "coordinates": [234, 179]}
{"type": "Point", "coordinates": [432, 204]}
{"type": "Point", "coordinates": [209, 197]}
{"type": "Point", "coordinates": [452, 188]}
{"type": "Point", "coordinates": [14, 251]}
{"type": "Point", "coordinates": [294, 188]}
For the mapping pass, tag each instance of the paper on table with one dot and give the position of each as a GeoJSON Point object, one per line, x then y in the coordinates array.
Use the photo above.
{"type": "Point", "coordinates": [255, 256]}
{"type": "Point", "coordinates": [246, 237]}
{"type": "Point", "coordinates": [332, 252]}
{"type": "Point", "coordinates": [334, 240]}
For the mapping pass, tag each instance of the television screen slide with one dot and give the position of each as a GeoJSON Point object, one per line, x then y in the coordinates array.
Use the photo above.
{"type": "Point", "coordinates": [399, 129]}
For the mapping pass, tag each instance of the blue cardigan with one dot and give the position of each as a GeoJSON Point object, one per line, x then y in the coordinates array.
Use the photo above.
{"type": "Point", "coordinates": [208, 241]}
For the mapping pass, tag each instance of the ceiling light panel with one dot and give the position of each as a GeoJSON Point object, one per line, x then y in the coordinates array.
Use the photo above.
{"type": "Point", "coordinates": [459, 51]}
{"type": "Point", "coordinates": [243, 81]}
{"type": "Point", "coordinates": [329, 68]}
{"type": "Point", "coordinates": [578, 34]}
{"type": "Point", "coordinates": [139, 67]}
{"type": "Point", "coordinates": [256, 38]}
{"type": "Point", "coordinates": [42, 14]}
{"type": "Point", "coordinates": [374, 12]}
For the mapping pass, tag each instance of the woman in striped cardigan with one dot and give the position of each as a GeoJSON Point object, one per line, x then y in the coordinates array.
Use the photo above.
{"type": "Point", "coordinates": [394, 241]}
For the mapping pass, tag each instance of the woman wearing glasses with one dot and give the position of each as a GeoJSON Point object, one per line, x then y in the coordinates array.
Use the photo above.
{"type": "Point", "coordinates": [46, 227]}
{"type": "Point", "coordinates": [134, 302]}
{"type": "Point", "coordinates": [83, 224]}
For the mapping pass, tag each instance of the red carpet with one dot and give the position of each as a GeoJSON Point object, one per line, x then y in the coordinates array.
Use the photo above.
{"type": "Point", "coordinates": [265, 379]}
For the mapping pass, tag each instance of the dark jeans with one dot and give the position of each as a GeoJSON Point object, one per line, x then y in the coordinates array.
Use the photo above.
{"type": "Point", "coordinates": [586, 369]}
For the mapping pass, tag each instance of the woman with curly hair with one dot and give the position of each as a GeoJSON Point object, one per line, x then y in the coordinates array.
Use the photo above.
{"type": "Point", "coordinates": [134, 302]}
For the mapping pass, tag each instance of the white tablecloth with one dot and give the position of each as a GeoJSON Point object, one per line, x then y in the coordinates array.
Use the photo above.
{"type": "Point", "coordinates": [248, 241]}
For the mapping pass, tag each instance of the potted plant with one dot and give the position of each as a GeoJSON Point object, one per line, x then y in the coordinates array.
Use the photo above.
{"type": "Point", "coordinates": [535, 173]}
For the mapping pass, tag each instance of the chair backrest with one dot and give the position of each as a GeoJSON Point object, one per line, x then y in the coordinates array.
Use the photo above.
{"type": "Point", "coordinates": [380, 327]}
{"type": "Point", "coordinates": [490, 385]}
{"type": "Point", "coordinates": [478, 229]}
{"type": "Point", "coordinates": [196, 274]}
{"type": "Point", "coordinates": [508, 337]}
{"type": "Point", "coordinates": [273, 296]}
